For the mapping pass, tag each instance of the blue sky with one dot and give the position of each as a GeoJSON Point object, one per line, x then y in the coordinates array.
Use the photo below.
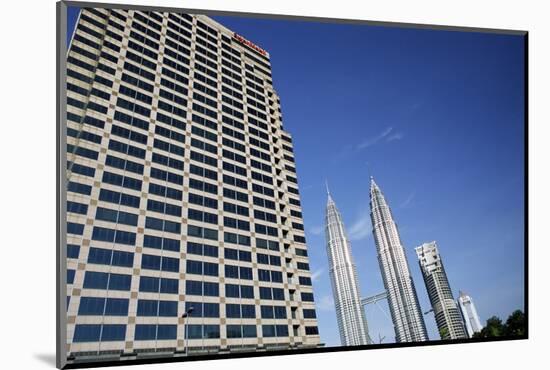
{"type": "Point", "coordinates": [437, 118]}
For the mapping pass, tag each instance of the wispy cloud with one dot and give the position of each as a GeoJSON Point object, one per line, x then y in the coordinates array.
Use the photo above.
{"type": "Point", "coordinates": [316, 230]}
{"type": "Point", "coordinates": [395, 136]}
{"type": "Point", "coordinates": [374, 140]}
{"type": "Point", "coordinates": [361, 227]}
{"type": "Point", "coordinates": [407, 202]}
{"type": "Point", "coordinates": [316, 274]}
{"type": "Point", "coordinates": [325, 303]}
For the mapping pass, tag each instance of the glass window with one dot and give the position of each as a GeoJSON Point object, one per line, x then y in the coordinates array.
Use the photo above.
{"type": "Point", "coordinates": [233, 331]}
{"type": "Point", "coordinates": [268, 331]}
{"type": "Point", "coordinates": [248, 311]}
{"type": "Point", "coordinates": [168, 308]}
{"type": "Point", "coordinates": [266, 312]}
{"type": "Point", "coordinates": [167, 332]}
{"type": "Point", "coordinates": [232, 290]}
{"type": "Point", "coordinates": [70, 276]}
{"type": "Point", "coordinates": [86, 333]}
{"type": "Point", "coordinates": [148, 284]}
{"type": "Point", "coordinates": [169, 286]}
{"type": "Point", "coordinates": [193, 287]}
{"type": "Point", "coordinates": [247, 291]}
{"type": "Point", "coordinates": [116, 307]}
{"type": "Point", "coordinates": [249, 331]}
{"type": "Point", "coordinates": [91, 306]}
{"type": "Point", "coordinates": [95, 280]}
{"type": "Point", "coordinates": [147, 307]}
{"type": "Point", "coordinates": [145, 332]}
{"type": "Point", "coordinates": [282, 330]}
{"type": "Point", "coordinates": [73, 251]}
{"type": "Point", "coordinates": [120, 282]}
{"type": "Point", "coordinates": [211, 289]}
{"type": "Point", "coordinates": [233, 310]}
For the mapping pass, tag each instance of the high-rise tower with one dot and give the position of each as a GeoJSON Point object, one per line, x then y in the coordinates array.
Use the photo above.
{"type": "Point", "coordinates": [469, 314]}
{"type": "Point", "coordinates": [181, 192]}
{"type": "Point", "coordinates": [447, 317]}
{"type": "Point", "coordinates": [402, 300]}
{"type": "Point", "coordinates": [350, 315]}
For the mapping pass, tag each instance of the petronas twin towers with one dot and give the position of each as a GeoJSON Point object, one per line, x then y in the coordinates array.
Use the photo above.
{"type": "Point", "coordinates": [350, 315]}
{"type": "Point", "coordinates": [401, 294]}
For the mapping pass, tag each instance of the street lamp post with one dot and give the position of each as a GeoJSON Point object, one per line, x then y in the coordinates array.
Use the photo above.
{"type": "Point", "coordinates": [185, 331]}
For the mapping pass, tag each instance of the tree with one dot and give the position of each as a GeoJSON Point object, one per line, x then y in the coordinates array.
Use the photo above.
{"type": "Point", "coordinates": [493, 328]}
{"type": "Point", "coordinates": [514, 326]}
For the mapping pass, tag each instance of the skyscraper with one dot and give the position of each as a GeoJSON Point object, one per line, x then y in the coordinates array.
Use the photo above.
{"type": "Point", "coordinates": [469, 314]}
{"type": "Point", "coordinates": [402, 300]}
{"type": "Point", "coordinates": [447, 317]}
{"type": "Point", "coordinates": [350, 315]}
{"type": "Point", "coordinates": [182, 192]}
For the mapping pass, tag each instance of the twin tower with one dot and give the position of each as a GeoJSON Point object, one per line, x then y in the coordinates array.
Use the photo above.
{"type": "Point", "coordinates": [401, 294]}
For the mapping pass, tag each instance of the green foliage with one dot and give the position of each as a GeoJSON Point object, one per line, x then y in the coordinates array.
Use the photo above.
{"type": "Point", "coordinates": [514, 326]}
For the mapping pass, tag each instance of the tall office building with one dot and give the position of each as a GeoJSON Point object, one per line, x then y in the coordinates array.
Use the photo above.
{"type": "Point", "coordinates": [402, 299]}
{"type": "Point", "coordinates": [182, 192]}
{"type": "Point", "coordinates": [469, 314]}
{"type": "Point", "coordinates": [447, 317]}
{"type": "Point", "coordinates": [350, 315]}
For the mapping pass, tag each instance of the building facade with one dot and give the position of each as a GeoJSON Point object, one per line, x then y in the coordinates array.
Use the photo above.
{"type": "Point", "coordinates": [469, 314]}
{"type": "Point", "coordinates": [403, 303]}
{"type": "Point", "coordinates": [447, 317]}
{"type": "Point", "coordinates": [181, 192]}
{"type": "Point", "coordinates": [352, 323]}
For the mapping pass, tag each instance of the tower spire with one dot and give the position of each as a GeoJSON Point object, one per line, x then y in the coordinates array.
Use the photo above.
{"type": "Point", "coordinates": [326, 184]}
{"type": "Point", "coordinates": [407, 318]}
{"type": "Point", "coordinates": [352, 323]}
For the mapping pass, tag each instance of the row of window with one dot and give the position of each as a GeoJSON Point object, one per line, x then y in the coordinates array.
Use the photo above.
{"type": "Point", "coordinates": [117, 332]}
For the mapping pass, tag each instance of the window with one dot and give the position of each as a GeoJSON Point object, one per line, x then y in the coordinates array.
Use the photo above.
{"type": "Point", "coordinates": [70, 276]}
{"type": "Point", "coordinates": [79, 188]}
{"type": "Point", "coordinates": [247, 291]}
{"type": "Point", "coordinates": [73, 251]}
{"type": "Point", "coordinates": [74, 228]}
{"type": "Point", "coordinates": [161, 243]}
{"type": "Point", "coordinates": [202, 268]}
{"type": "Point", "coordinates": [201, 232]}
{"type": "Point", "coordinates": [307, 297]}
{"type": "Point", "coordinates": [75, 207]}
{"type": "Point", "coordinates": [202, 331]}
{"type": "Point", "coordinates": [95, 280]}
{"type": "Point", "coordinates": [152, 284]}
{"type": "Point", "coordinates": [120, 282]}
{"type": "Point", "coordinates": [116, 307]}
{"type": "Point", "coordinates": [152, 332]}
{"type": "Point", "coordinates": [280, 312]}
{"type": "Point", "coordinates": [233, 310]}
{"type": "Point", "coordinates": [309, 314]}
{"type": "Point", "coordinates": [281, 330]}
{"type": "Point", "coordinates": [110, 257]}
{"type": "Point", "coordinates": [90, 333]}
{"type": "Point", "coordinates": [268, 331]}
{"type": "Point", "coordinates": [203, 309]}
{"type": "Point", "coordinates": [312, 330]}
{"type": "Point", "coordinates": [231, 271]}
{"type": "Point", "coordinates": [91, 306]}
{"type": "Point", "coordinates": [86, 333]}
{"type": "Point", "coordinates": [201, 288]}
{"type": "Point", "coordinates": [202, 249]}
